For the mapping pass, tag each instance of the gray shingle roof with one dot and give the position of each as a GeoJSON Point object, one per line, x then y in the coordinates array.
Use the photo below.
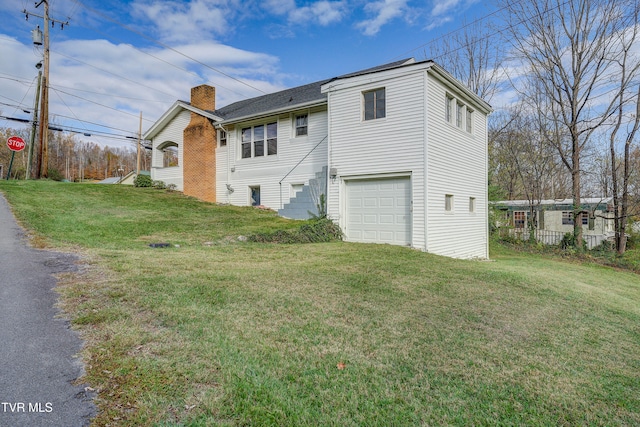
{"type": "Point", "coordinates": [273, 101]}
{"type": "Point", "coordinates": [300, 95]}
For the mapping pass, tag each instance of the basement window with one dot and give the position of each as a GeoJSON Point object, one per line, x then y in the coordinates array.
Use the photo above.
{"type": "Point", "coordinates": [254, 195]}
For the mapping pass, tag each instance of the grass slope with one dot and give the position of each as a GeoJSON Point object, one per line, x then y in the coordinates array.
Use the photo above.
{"type": "Point", "coordinates": [234, 333]}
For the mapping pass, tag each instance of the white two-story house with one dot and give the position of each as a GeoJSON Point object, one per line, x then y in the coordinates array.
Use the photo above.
{"type": "Point", "coordinates": [394, 154]}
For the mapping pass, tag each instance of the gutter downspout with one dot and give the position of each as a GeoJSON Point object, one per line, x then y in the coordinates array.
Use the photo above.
{"type": "Point", "coordinates": [220, 126]}
{"type": "Point", "coordinates": [426, 159]}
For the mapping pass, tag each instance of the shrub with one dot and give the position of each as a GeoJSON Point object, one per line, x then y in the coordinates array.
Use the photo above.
{"type": "Point", "coordinates": [160, 185]}
{"type": "Point", "coordinates": [171, 187]}
{"type": "Point", "coordinates": [142, 181]}
{"type": "Point", "coordinates": [55, 175]}
{"type": "Point", "coordinates": [313, 231]}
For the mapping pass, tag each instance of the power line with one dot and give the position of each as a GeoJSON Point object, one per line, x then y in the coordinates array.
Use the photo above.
{"type": "Point", "coordinates": [25, 82]}
{"type": "Point", "coordinates": [102, 105]}
{"type": "Point", "coordinates": [113, 74]}
{"type": "Point", "coordinates": [105, 16]}
{"type": "Point", "coordinates": [94, 123]}
{"type": "Point", "coordinates": [110, 36]}
{"type": "Point", "coordinates": [450, 33]}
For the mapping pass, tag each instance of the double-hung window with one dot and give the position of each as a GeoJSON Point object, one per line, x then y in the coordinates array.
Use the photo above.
{"type": "Point", "coordinates": [272, 138]}
{"type": "Point", "coordinates": [258, 141]}
{"type": "Point", "coordinates": [223, 139]}
{"type": "Point", "coordinates": [459, 114]}
{"type": "Point", "coordinates": [374, 104]}
{"type": "Point", "coordinates": [253, 140]}
{"type": "Point", "coordinates": [302, 121]}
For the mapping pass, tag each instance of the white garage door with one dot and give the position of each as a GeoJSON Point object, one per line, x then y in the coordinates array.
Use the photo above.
{"type": "Point", "coordinates": [379, 211]}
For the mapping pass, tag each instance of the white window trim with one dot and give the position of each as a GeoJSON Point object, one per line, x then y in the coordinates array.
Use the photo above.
{"type": "Point", "coordinates": [252, 126]}
{"type": "Point", "coordinates": [448, 108]}
{"type": "Point", "coordinates": [363, 103]}
{"type": "Point", "coordinates": [449, 204]}
{"type": "Point", "coordinates": [458, 114]}
{"type": "Point", "coordinates": [219, 136]}
{"type": "Point", "coordinates": [294, 124]}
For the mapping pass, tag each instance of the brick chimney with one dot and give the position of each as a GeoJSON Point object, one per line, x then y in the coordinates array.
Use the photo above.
{"type": "Point", "coordinates": [199, 148]}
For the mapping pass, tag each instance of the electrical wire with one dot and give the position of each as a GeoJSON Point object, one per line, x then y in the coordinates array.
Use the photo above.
{"type": "Point", "coordinates": [68, 108]}
{"type": "Point", "coordinates": [111, 37]}
{"type": "Point", "coordinates": [164, 45]}
{"type": "Point", "coordinates": [113, 74]}
{"type": "Point", "coordinates": [105, 106]}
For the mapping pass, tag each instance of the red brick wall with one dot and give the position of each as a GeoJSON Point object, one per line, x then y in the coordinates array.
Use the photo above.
{"type": "Point", "coordinates": [199, 148]}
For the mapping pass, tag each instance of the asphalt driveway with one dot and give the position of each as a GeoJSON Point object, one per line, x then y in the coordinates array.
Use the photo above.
{"type": "Point", "coordinates": [38, 350]}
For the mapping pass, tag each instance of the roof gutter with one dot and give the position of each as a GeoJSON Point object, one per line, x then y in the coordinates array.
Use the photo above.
{"type": "Point", "coordinates": [445, 75]}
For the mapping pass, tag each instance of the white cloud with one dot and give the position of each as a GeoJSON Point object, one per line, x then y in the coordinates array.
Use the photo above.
{"type": "Point", "coordinates": [441, 7]}
{"type": "Point", "coordinates": [435, 23]}
{"type": "Point", "coordinates": [178, 21]}
{"type": "Point", "coordinates": [114, 82]}
{"type": "Point", "coordinates": [384, 11]}
{"type": "Point", "coordinates": [279, 7]}
{"type": "Point", "coordinates": [322, 12]}
{"type": "Point", "coordinates": [444, 11]}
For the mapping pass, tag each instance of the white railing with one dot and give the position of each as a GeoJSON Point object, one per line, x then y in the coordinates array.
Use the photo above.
{"type": "Point", "coordinates": [548, 237]}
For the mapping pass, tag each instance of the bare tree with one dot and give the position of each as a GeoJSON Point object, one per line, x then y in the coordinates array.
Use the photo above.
{"type": "Point", "coordinates": [569, 49]}
{"type": "Point", "coordinates": [627, 96]}
{"type": "Point", "coordinates": [473, 57]}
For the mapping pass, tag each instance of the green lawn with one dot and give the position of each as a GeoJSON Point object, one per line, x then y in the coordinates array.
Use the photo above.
{"type": "Point", "coordinates": [222, 332]}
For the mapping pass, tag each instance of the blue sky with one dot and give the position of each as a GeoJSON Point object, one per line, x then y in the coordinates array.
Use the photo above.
{"type": "Point", "coordinates": [117, 58]}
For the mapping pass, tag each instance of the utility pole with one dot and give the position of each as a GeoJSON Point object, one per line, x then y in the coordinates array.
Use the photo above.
{"type": "Point", "coordinates": [43, 129]}
{"type": "Point", "coordinates": [32, 137]}
{"type": "Point", "coordinates": [139, 142]}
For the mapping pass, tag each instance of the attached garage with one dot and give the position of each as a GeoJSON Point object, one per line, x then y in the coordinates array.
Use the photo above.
{"type": "Point", "coordinates": [379, 210]}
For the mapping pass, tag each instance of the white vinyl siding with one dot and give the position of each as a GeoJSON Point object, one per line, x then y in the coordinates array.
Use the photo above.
{"type": "Point", "coordinates": [456, 164]}
{"type": "Point", "coordinates": [267, 171]}
{"type": "Point", "coordinates": [172, 132]}
{"type": "Point", "coordinates": [413, 134]}
{"type": "Point", "coordinates": [379, 148]}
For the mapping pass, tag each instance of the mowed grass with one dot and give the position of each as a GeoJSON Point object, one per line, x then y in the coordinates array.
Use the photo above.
{"type": "Point", "coordinates": [236, 333]}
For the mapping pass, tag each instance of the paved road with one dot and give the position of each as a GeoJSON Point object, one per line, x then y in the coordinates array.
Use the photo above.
{"type": "Point", "coordinates": [38, 362]}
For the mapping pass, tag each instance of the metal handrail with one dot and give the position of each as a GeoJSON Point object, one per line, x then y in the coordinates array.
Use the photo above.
{"type": "Point", "coordinates": [301, 160]}
{"type": "Point", "coordinates": [298, 164]}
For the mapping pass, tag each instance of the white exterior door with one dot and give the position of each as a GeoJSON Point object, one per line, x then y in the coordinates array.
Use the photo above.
{"type": "Point", "coordinates": [379, 210]}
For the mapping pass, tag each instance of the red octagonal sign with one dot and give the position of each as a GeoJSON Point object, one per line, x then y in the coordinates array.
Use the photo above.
{"type": "Point", "coordinates": [16, 143]}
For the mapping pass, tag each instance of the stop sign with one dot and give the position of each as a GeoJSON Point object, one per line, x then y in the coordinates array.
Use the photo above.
{"type": "Point", "coordinates": [15, 143]}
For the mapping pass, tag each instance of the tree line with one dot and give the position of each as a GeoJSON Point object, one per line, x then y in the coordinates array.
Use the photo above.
{"type": "Point", "coordinates": [71, 158]}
